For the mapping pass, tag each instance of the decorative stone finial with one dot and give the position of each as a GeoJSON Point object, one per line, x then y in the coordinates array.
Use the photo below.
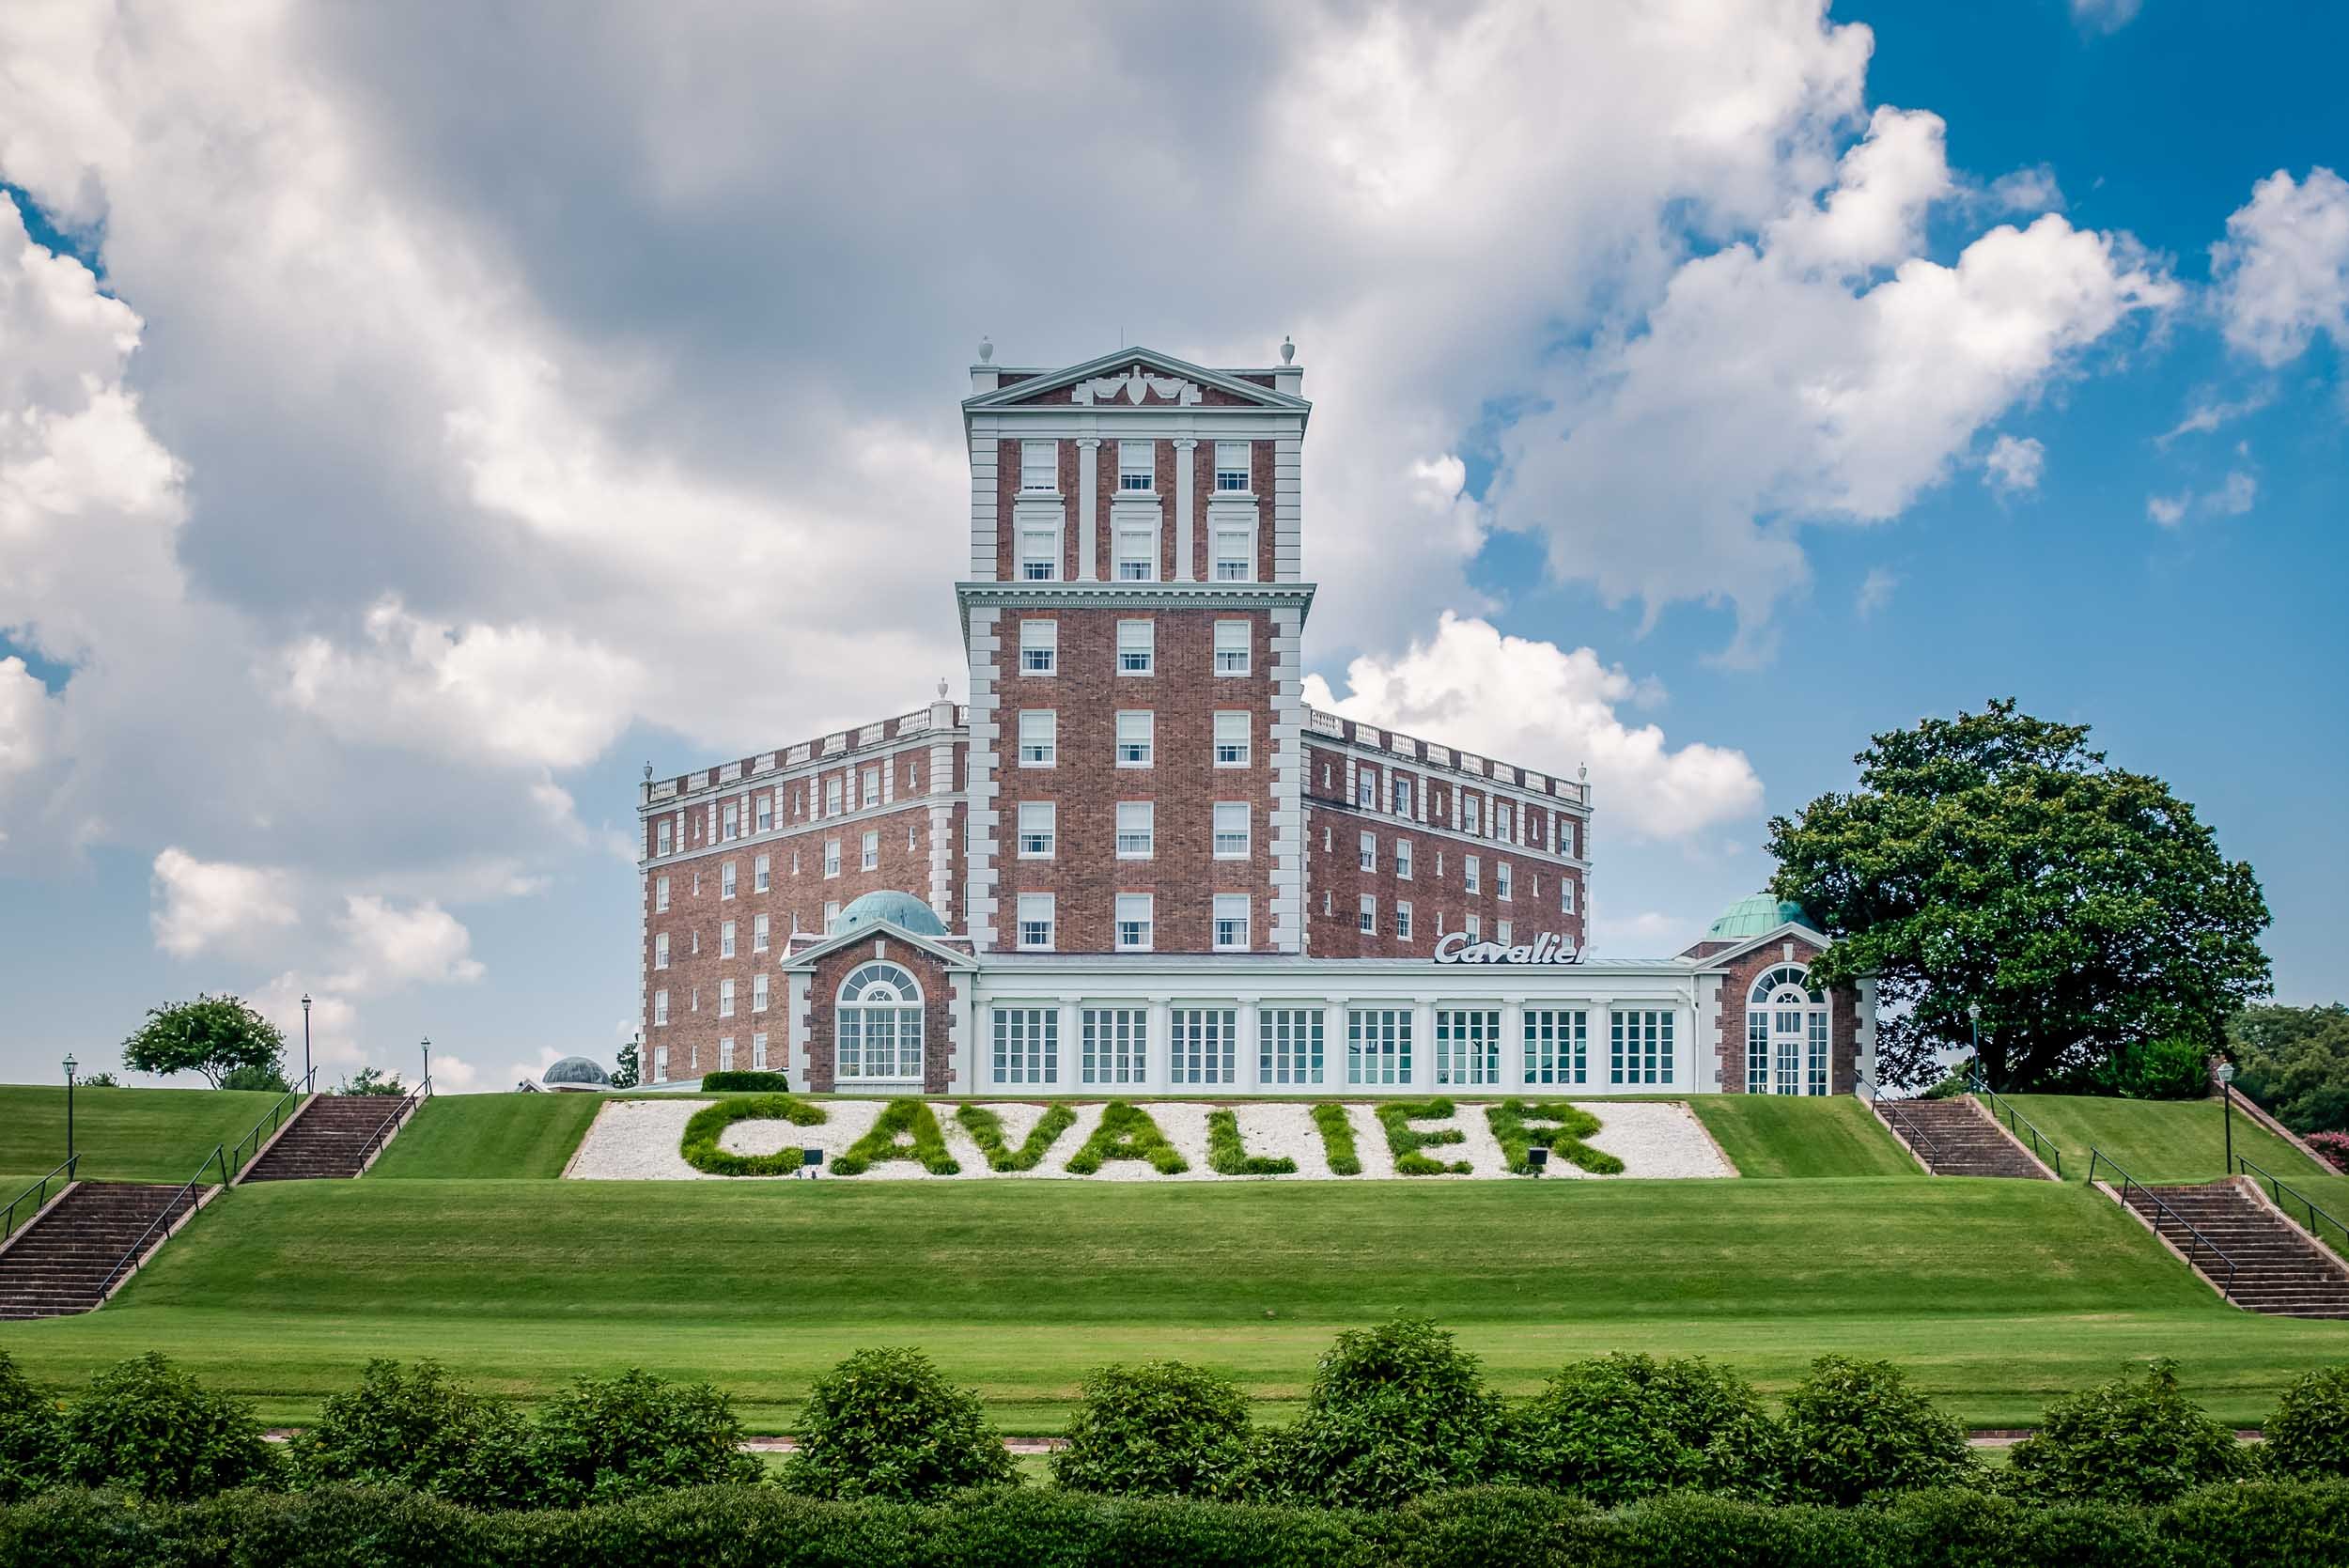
{"type": "Point", "coordinates": [1289, 350]}
{"type": "Point", "coordinates": [986, 350]}
{"type": "Point", "coordinates": [941, 687]}
{"type": "Point", "coordinates": [1584, 772]}
{"type": "Point", "coordinates": [649, 772]}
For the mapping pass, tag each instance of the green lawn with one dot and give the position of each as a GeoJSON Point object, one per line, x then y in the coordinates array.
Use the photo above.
{"type": "Point", "coordinates": [2155, 1140]}
{"type": "Point", "coordinates": [1789, 1135]}
{"type": "Point", "coordinates": [1996, 1295]}
{"type": "Point", "coordinates": [135, 1135]}
{"type": "Point", "coordinates": [526, 1136]}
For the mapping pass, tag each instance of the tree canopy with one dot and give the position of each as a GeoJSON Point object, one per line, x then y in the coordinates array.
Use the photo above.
{"type": "Point", "coordinates": [2296, 1063]}
{"type": "Point", "coordinates": [213, 1035]}
{"type": "Point", "coordinates": [1994, 859]}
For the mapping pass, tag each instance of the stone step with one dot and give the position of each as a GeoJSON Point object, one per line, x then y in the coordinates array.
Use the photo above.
{"type": "Point", "coordinates": [64, 1261]}
{"type": "Point", "coordinates": [2277, 1268]}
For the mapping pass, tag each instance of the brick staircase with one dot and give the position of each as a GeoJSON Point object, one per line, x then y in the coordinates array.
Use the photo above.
{"type": "Point", "coordinates": [1955, 1137]}
{"type": "Point", "coordinates": [2278, 1267]}
{"type": "Point", "coordinates": [329, 1139]}
{"type": "Point", "coordinates": [65, 1261]}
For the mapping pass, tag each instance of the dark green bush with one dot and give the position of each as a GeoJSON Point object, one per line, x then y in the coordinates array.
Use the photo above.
{"type": "Point", "coordinates": [986, 1130]}
{"type": "Point", "coordinates": [419, 1430]}
{"type": "Point", "coordinates": [1555, 1125]}
{"type": "Point", "coordinates": [886, 1423]}
{"type": "Point", "coordinates": [1405, 1142]}
{"type": "Point", "coordinates": [2308, 1437]}
{"type": "Point", "coordinates": [2126, 1442]}
{"type": "Point", "coordinates": [1337, 1140]}
{"type": "Point", "coordinates": [1395, 1411]}
{"type": "Point", "coordinates": [2164, 1069]}
{"type": "Point", "coordinates": [1228, 1156]}
{"type": "Point", "coordinates": [699, 1147]}
{"type": "Point", "coordinates": [1625, 1426]}
{"type": "Point", "coordinates": [906, 1129]}
{"type": "Point", "coordinates": [1160, 1429]}
{"type": "Point", "coordinates": [745, 1083]}
{"type": "Point", "coordinates": [603, 1439]}
{"type": "Point", "coordinates": [253, 1075]}
{"type": "Point", "coordinates": [1855, 1428]}
{"type": "Point", "coordinates": [146, 1427]}
{"type": "Point", "coordinates": [28, 1433]}
{"type": "Point", "coordinates": [1126, 1132]}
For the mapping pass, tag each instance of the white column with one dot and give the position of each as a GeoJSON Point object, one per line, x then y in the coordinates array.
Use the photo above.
{"type": "Point", "coordinates": [1249, 1077]}
{"type": "Point", "coordinates": [1423, 1045]}
{"type": "Point", "coordinates": [1184, 446]}
{"type": "Point", "coordinates": [1088, 489]}
{"type": "Point", "coordinates": [1157, 1079]}
{"type": "Point", "coordinates": [1513, 1041]}
{"type": "Point", "coordinates": [1071, 1047]}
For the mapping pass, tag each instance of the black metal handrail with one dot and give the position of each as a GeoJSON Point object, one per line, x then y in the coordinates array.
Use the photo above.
{"type": "Point", "coordinates": [2197, 1239]}
{"type": "Point", "coordinates": [272, 1122]}
{"type": "Point", "coordinates": [2277, 1188]}
{"type": "Point", "coordinates": [1904, 1128]}
{"type": "Point", "coordinates": [130, 1259]}
{"type": "Point", "coordinates": [7, 1227]}
{"type": "Point", "coordinates": [2017, 1124]}
{"type": "Point", "coordinates": [382, 1135]}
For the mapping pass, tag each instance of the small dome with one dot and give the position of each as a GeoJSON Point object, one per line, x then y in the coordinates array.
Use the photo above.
{"type": "Point", "coordinates": [576, 1072]}
{"type": "Point", "coordinates": [900, 909]}
{"type": "Point", "coordinates": [1752, 916]}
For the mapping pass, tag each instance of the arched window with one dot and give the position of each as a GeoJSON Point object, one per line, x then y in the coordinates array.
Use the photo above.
{"type": "Point", "coordinates": [1786, 1035]}
{"type": "Point", "coordinates": [877, 1027]}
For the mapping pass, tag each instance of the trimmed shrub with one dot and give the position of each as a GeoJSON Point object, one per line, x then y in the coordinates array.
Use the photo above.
{"type": "Point", "coordinates": [986, 1130]}
{"type": "Point", "coordinates": [28, 1433]}
{"type": "Point", "coordinates": [1554, 1125]}
{"type": "Point", "coordinates": [253, 1075]}
{"type": "Point", "coordinates": [1406, 1142]}
{"type": "Point", "coordinates": [745, 1083]}
{"type": "Point", "coordinates": [2171, 1068]}
{"type": "Point", "coordinates": [886, 1423]}
{"type": "Point", "coordinates": [1228, 1156]}
{"type": "Point", "coordinates": [1126, 1132]}
{"type": "Point", "coordinates": [700, 1149]}
{"type": "Point", "coordinates": [1855, 1428]}
{"type": "Point", "coordinates": [2333, 1146]}
{"type": "Point", "coordinates": [2124, 1441]}
{"type": "Point", "coordinates": [146, 1427]}
{"type": "Point", "coordinates": [1160, 1429]}
{"type": "Point", "coordinates": [603, 1439]}
{"type": "Point", "coordinates": [1395, 1411]}
{"type": "Point", "coordinates": [906, 1129]}
{"type": "Point", "coordinates": [2308, 1437]}
{"type": "Point", "coordinates": [419, 1430]}
{"type": "Point", "coordinates": [1625, 1426]}
{"type": "Point", "coordinates": [1337, 1140]}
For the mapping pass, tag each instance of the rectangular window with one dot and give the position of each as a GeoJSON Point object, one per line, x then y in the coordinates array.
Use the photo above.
{"type": "Point", "coordinates": [1234, 548]}
{"type": "Point", "coordinates": [1556, 1045]}
{"type": "Point", "coordinates": [1367, 920]}
{"type": "Point", "coordinates": [758, 1052]}
{"type": "Point", "coordinates": [1233, 643]}
{"type": "Point", "coordinates": [1231, 739]}
{"type": "Point", "coordinates": [762, 873]}
{"type": "Point", "coordinates": [1501, 932]}
{"type": "Point", "coordinates": [1565, 895]}
{"type": "Point", "coordinates": [1137, 554]}
{"type": "Point", "coordinates": [1137, 731]}
{"type": "Point", "coordinates": [1027, 1045]}
{"type": "Point", "coordinates": [760, 933]}
{"type": "Point", "coordinates": [879, 1042]}
{"type": "Point", "coordinates": [1039, 554]}
{"type": "Point", "coordinates": [1403, 859]}
{"type": "Point", "coordinates": [730, 821]}
{"type": "Point", "coordinates": [1468, 813]}
{"type": "Point", "coordinates": [1366, 790]}
{"type": "Point", "coordinates": [1501, 877]}
{"type": "Point", "coordinates": [1116, 1044]}
{"type": "Point", "coordinates": [1474, 927]}
{"type": "Point", "coordinates": [1039, 737]}
{"type": "Point", "coordinates": [1231, 922]}
{"type": "Point", "coordinates": [660, 1060]}
{"type": "Point", "coordinates": [1369, 855]}
{"type": "Point", "coordinates": [1135, 926]}
{"type": "Point", "coordinates": [872, 787]}
{"type": "Point", "coordinates": [725, 1054]}
{"type": "Point", "coordinates": [1815, 1054]}
{"type": "Point", "coordinates": [660, 1007]}
{"type": "Point", "coordinates": [1039, 829]}
{"type": "Point", "coordinates": [1137, 829]}
{"type": "Point", "coordinates": [766, 813]}
{"type": "Point", "coordinates": [832, 917]}
{"type": "Point", "coordinates": [1288, 1044]}
{"type": "Point", "coordinates": [1640, 1046]}
{"type": "Point", "coordinates": [661, 840]}
{"type": "Point", "coordinates": [660, 894]}
{"type": "Point", "coordinates": [1472, 871]}
{"type": "Point", "coordinates": [1504, 823]}
{"type": "Point", "coordinates": [1230, 830]}
{"type": "Point", "coordinates": [1137, 648]}
{"type": "Point", "coordinates": [1400, 798]}
{"type": "Point", "coordinates": [1137, 466]}
{"type": "Point", "coordinates": [831, 857]}
{"type": "Point", "coordinates": [1377, 1045]}
{"type": "Point", "coordinates": [1039, 648]}
{"type": "Point", "coordinates": [758, 992]}
{"type": "Point", "coordinates": [1565, 838]}
{"type": "Point", "coordinates": [1036, 921]}
{"type": "Point", "coordinates": [660, 950]}
{"type": "Point", "coordinates": [726, 880]}
{"type": "Point", "coordinates": [726, 998]}
{"type": "Point", "coordinates": [1403, 921]}
{"type": "Point", "coordinates": [1231, 467]}
{"type": "Point", "coordinates": [1039, 465]}
{"type": "Point", "coordinates": [832, 796]}
{"type": "Point", "coordinates": [726, 939]}
{"type": "Point", "coordinates": [1203, 1044]}
{"type": "Point", "coordinates": [1758, 1051]}
{"type": "Point", "coordinates": [869, 857]}
{"type": "Point", "coordinates": [1468, 1047]}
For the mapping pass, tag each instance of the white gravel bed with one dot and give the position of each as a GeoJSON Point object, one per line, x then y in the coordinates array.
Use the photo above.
{"type": "Point", "coordinates": [637, 1141]}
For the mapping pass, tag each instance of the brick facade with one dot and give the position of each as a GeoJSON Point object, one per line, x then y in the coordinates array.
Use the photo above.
{"type": "Point", "coordinates": [938, 984]}
{"type": "Point", "coordinates": [1737, 986]}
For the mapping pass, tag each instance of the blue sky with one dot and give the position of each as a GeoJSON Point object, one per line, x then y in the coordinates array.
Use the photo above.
{"type": "Point", "coordinates": [488, 420]}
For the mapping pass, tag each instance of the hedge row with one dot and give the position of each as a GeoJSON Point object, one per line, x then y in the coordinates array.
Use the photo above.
{"type": "Point", "coordinates": [2268, 1525]}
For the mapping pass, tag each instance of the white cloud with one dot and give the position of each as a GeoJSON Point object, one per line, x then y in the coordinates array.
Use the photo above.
{"type": "Point", "coordinates": [203, 907]}
{"type": "Point", "coordinates": [2234, 494]}
{"type": "Point", "coordinates": [1537, 706]}
{"type": "Point", "coordinates": [1876, 592]}
{"type": "Point", "coordinates": [2031, 190]}
{"type": "Point", "coordinates": [2012, 465]}
{"type": "Point", "coordinates": [2231, 497]}
{"type": "Point", "coordinates": [2208, 414]}
{"type": "Point", "coordinates": [2283, 273]}
{"type": "Point", "coordinates": [385, 946]}
{"type": "Point", "coordinates": [26, 719]}
{"type": "Point", "coordinates": [2168, 510]}
{"type": "Point", "coordinates": [1649, 933]}
{"type": "Point", "coordinates": [2105, 16]}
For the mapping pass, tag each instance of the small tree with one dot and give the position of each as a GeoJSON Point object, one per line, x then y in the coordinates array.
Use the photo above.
{"type": "Point", "coordinates": [601, 1440]}
{"type": "Point", "coordinates": [254, 1075]}
{"type": "Point", "coordinates": [372, 1080]}
{"type": "Point", "coordinates": [149, 1428]}
{"type": "Point", "coordinates": [886, 1423]}
{"type": "Point", "coordinates": [1395, 1411]}
{"type": "Point", "coordinates": [1855, 1428]}
{"type": "Point", "coordinates": [419, 1430]}
{"type": "Point", "coordinates": [28, 1434]}
{"type": "Point", "coordinates": [1161, 1429]}
{"type": "Point", "coordinates": [627, 1071]}
{"type": "Point", "coordinates": [1625, 1426]}
{"type": "Point", "coordinates": [2124, 1441]}
{"type": "Point", "coordinates": [212, 1035]}
{"type": "Point", "coordinates": [2308, 1437]}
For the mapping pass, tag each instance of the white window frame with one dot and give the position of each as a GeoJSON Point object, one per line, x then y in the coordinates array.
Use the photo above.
{"type": "Point", "coordinates": [726, 998]}
{"type": "Point", "coordinates": [727, 877]}
{"type": "Point", "coordinates": [1473, 872]}
{"type": "Point", "coordinates": [660, 950]}
{"type": "Point", "coordinates": [1468, 1047]}
{"type": "Point", "coordinates": [1234, 647]}
{"type": "Point", "coordinates": [1039, 648]}
{"type": "Point", "coordinates": [762, 873]}
{"type": "Point", "coordinates": [1137, 648]}
{"type": "Point", "coordinates": [1039, 922]}
{"type": "Point", "coordinates": [1565, 895]}
{"type": "Point", "coordinates": [832, 916]}
{"type": "Point", "coordinates": [1557, 1045]}
{"type": "Point", "coordinates": [831, 857]}
{"type": "Point", "coordinates": [1378, 1046]}
{"type": "Point", "coordinates": [1039, 737]}
{"type": "Point", "coordinates": [726, 939]}
{"type": "Point", "coordinates": [1039, 554]}
{"type": "Point", "coordinates": [1403, 919]}
{"type": "Point", "coordinates": [1232, 834]}
{"type": "Point", "coordinates": [1137, 458]}
{"type": "Point", "coordinates": [1403, 859]}
{"type": "Point", "coordinates": [1367, 858]}
{"type": "Point", "coordinates": [725, 1053]}
{"type": "Point", "coordinates": [1134, 553]}
{"type": "Point", "coordinates": [1501, 930]}
{"type": "Point", "coordinates": [1503, 882]}
{"type": "Point", "coordinates": [661, 1009]}
{"type": "Point", "coordinates": [762, 933]}
{"type": "Point", "coordinates": [1038, 830]}
{"type": "Point", "coordinates": [860, 1015]}
{"type": "Point", "coordinates": [660, 895]}
{"type": "Point", "coordinates": [1241, 747]}
{"type": "Point", "coordinates": [1230, 915]}
{"type": "Point", "coordinates": [1136, 916]}
{"type": "Point", "coordinates": [1039, 460]}
{"type": "Point", "coordinates": [1289, 1045]}
{"type": "Point", "coordinates": [758, 992]}
{"type": "Point", "coordinates": [1233, 460]}
{"type": "Point", "coordinates": [1026, 1042]}
{"type": "Point", "coordinates": [1366, 915]}
{"type": "Point", "coordinates": [868, 854]}
{"type": "Point", "coordinates": [1114, 1045]}
{"type": "Point", "coordinates": [1136, 730]}
{"type": "Point", "coordinates": [1202, 1046]}
{"type": "Point", "coordinates": [758, 1050]}
{"type": "Point", "coordinates": [1231, 553]}
{"type": "Point", "coordinates": [1137, 829]}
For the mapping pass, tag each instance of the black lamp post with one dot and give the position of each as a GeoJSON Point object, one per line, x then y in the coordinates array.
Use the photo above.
{"type": "Point", "coordinates": [428, 1058]}
{"type": "Point", "coordinates": [1973, 1017]}
{"type": "Point", "coordinates": [68, 1105]}
{"type": "Point", "coordinates": [305, 1041]}
{"type": "Point", "coordinates": [2226, 1109]}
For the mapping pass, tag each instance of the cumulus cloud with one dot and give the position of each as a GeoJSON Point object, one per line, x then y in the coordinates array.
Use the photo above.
{"type": "Point", "coordinates": [2168, 510]}
{"type": "Point", "coordinates": [2283, 273]}
{"type": "Point", "coordinates": [24, 717]}
{"type": "Point", "coordinates": [2013, 465]}
{"type": "Point", "coordinates": [386, 946]}
{"type": "Point", "coordinates": [2231, 497]}
{"type": "Point", "coordinates": [1538, 705]}
{"type": "Point", "coordinates": [203, 905]}
{"type": "Point", "coordinates": [2105, 16]}
{"type": "Point", "coordinates": [1876, 592]}
{"type": "Point", "coordinates": [2031, 190]}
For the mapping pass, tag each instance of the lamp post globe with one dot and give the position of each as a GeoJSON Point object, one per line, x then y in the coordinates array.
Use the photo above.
{"type": "Point", "coordinates": [306, 1040]}
{"type": "Point", "coordinates": [68, 1105]}
{"type": "Point", "coordinates": [2226, 1108]}
{"type": "Point", "coordinates": [1973, 1017]}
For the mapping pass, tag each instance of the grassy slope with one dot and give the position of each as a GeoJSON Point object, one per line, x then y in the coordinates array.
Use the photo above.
{"type": "Point", "coordinates": [2155, 1140]}
{"type": "Point", "coordinates": [140, 1135]}
{"type": "Point", "coordinates": [1785, 1134]}
{"type": "Point", "coordinates": [526, 1137]}
{"type": "Point", "coordinates": [1995, 1294]}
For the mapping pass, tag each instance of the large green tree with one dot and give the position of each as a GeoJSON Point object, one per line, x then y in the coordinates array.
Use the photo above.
{"type": "Point", "coordinates": [1994, 859]}
{"type": "Point", "coordinates": [2296, 1063]}
{"type": "Point", "coordinates": [212, 1035]}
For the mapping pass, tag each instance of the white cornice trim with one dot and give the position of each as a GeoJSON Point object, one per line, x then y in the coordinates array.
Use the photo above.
{"type": "Point", "coordinates": [1018, 392]}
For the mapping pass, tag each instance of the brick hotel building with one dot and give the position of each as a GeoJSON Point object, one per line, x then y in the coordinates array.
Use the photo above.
{"type": "Point", "coordinates": [1136, 862]}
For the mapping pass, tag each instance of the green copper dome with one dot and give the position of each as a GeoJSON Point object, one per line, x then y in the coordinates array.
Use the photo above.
{"type": "Point", "coordinates": [1751, 917]}
{"type": "Point", "coordinates": [900, 909]}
